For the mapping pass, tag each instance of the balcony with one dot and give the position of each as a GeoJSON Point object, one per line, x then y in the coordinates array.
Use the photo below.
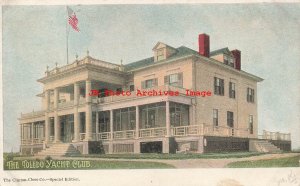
{"type": "Point", "coordinates": [87, 60]}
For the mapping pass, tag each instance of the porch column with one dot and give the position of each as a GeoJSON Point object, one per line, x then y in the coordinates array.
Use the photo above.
{"type": "Point", "coordinates": [76, 93]}
{"type": "Point", "coordinates": [111, 120]}
{"type": "Point", "coordinates": [32, 132]}
{"type": "Point", "coordinates": [191, 114]}
{"type": "Point", "coordinates": [76, 125]}
{"type": "Point", "coordinates": [97, 124]}
{"type": "Point", "coordinates": [88, 88]}
{"type": "Point", "coordinates": [56, 97]}
{"type": "Point", "coordinates": [47, 128]}
{"type": "Point", "coordinates": [56, 128]}
{"type": "Point", "coordinates": [137, 121]}
{"type": "Point", "coordinates": [168, 125]}
{"type": "Point", "coordinates": [88, 122]}
{"type": "Point", "coordinates": [21, 130]}
{"type": "Point", "coordinates": [47, 98]}
{"type": "Point", "coordinates": [88, 113]}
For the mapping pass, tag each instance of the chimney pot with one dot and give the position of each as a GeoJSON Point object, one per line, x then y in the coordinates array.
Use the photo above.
{"type": "Point", "coordinates": [203, 40]}
{"type": "Point", "coordinates": [237, 55]}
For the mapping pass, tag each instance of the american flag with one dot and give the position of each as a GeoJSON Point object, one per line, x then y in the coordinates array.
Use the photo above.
{"type": "Point", "coordinates": [73, 21]}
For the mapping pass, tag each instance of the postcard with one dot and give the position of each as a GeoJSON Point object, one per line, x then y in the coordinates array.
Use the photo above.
{"type": "Point", "coordinates": [152, 93]}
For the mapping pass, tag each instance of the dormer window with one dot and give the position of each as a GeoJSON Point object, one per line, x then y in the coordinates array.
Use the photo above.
{"type": "Point", "coordinates": [228, 60]}
{"type": "Point", "coordinates": [160, 54]}
{"type": "Point", "coordinates": [162, 51]}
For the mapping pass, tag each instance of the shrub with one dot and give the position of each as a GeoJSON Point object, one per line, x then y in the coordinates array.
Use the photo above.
{"type": "Point", "coordinates": [48, 158]}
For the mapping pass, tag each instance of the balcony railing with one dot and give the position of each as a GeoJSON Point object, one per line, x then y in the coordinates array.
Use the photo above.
{"type": "Point", "coordinates": [33, 114]}
{"type": "Point", "coordinates": [66, 104]}
{"type": "Point", "coordinates": [82, 62]}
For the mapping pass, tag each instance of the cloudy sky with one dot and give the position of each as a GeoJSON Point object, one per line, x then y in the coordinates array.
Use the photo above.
{"type": "Point", "coordinates": [267, 34]}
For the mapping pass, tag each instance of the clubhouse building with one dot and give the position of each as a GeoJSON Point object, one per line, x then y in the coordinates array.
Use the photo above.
{"type": "Point", "coordinates": [219, 114]}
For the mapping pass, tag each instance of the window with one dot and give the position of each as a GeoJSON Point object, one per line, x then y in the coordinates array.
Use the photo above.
{"type": "Point", "coordinates": [251, 124]}
{"type": "Point", "coordinates": [231, 90]}
{"type": "Point", "coordinates": [215, 117]}
{"type": "Point", "coordinates": [149, 83]}
{"type": "Point", "coordinates": [174, 80]}
{"type": "Point", "coordinates": [160, 54]}
{"type": "Point", "coordinates": [250, 95]}
{"type": "Point", "coordinates": [226, 60]}
{"type": "Point", "coordinates": [219, 86]}
{"type": "Point", "coordinates": [229, 119]}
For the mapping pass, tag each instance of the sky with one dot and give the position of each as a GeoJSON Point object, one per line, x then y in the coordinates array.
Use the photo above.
{"type": "Point", "coordinates": [268, 35]}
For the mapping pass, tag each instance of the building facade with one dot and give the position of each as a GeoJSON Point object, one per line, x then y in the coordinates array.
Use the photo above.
{"type": "Point", "coordinates": [119, 119]}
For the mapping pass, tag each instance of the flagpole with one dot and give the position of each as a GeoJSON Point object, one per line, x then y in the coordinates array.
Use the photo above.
{"type": "Point", "coordinates": [67, 36]}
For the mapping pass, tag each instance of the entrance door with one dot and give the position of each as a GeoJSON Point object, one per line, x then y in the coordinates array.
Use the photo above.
{"type": "Point", "coordinates": [67, 131]}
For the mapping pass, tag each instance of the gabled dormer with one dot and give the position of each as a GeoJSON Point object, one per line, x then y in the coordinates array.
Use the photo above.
{"type": "Point", "coordinates": [224, 55]}
{"type": "Point", "coordinates": [162, 51]}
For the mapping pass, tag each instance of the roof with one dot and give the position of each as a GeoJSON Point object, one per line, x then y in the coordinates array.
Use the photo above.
{"type": "Point", "coordinates": [220, 51]}
{"type": "Point", "coordinates": [180, 52]}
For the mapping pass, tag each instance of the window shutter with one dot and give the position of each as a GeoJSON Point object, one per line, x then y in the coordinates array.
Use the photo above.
{"type": "Point", "coordinates": [166, 81]}
{"type": "Point", "coordinates": [230, 89]}
{"type": "Point", "coordinates": [215, 85]}
{"type": "Point", "coordinates": [143, 85]}
{"type": "Point", "coordinates": [248, 94]}
{"type": "Point", "coordinates": [180, 79]}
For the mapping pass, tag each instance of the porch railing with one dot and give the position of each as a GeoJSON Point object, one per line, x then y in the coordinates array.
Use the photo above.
{"type": "Point", "coordinates": [128, 134]}
{"type": "Point", "coordinates": [26, 141]}
{"type": "Point", "coordinates": [189, 130]}
{"type": "Point", "coordinates": [275, 136]}
{"type": "Point", "coordinates": [153, 132]}
{"type": "Point", "coordinates": [104, 136]}
{"type": "Point", "coordinates": [81, 136]}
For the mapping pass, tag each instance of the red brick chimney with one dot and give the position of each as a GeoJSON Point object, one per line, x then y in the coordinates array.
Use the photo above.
{"type": "Point", "coordinates": [203, 40]}
{"type": "Point", "coordinates": [237, 55]}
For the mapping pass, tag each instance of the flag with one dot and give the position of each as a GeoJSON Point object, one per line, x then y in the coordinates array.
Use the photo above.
{"type": "Point", "coordinates": [73, 21]}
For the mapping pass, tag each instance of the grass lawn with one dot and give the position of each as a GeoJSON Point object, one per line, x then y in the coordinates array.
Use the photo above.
{"type": "Point", "coordinates": [175, 156]}
{"type": "Point", "coordinates": [280, 162]}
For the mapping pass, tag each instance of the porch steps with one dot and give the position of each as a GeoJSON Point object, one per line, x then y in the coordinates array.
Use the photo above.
{"type": "Point", "coordinates": [264, 146]}
{"type": "Point", "coordinates": [60, 149]}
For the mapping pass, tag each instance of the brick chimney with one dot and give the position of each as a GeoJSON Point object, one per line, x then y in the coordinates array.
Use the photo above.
{"type": "Point", "coordinates": [237, 55]}
{"type": "Point", "coordinates": [203, 40]}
